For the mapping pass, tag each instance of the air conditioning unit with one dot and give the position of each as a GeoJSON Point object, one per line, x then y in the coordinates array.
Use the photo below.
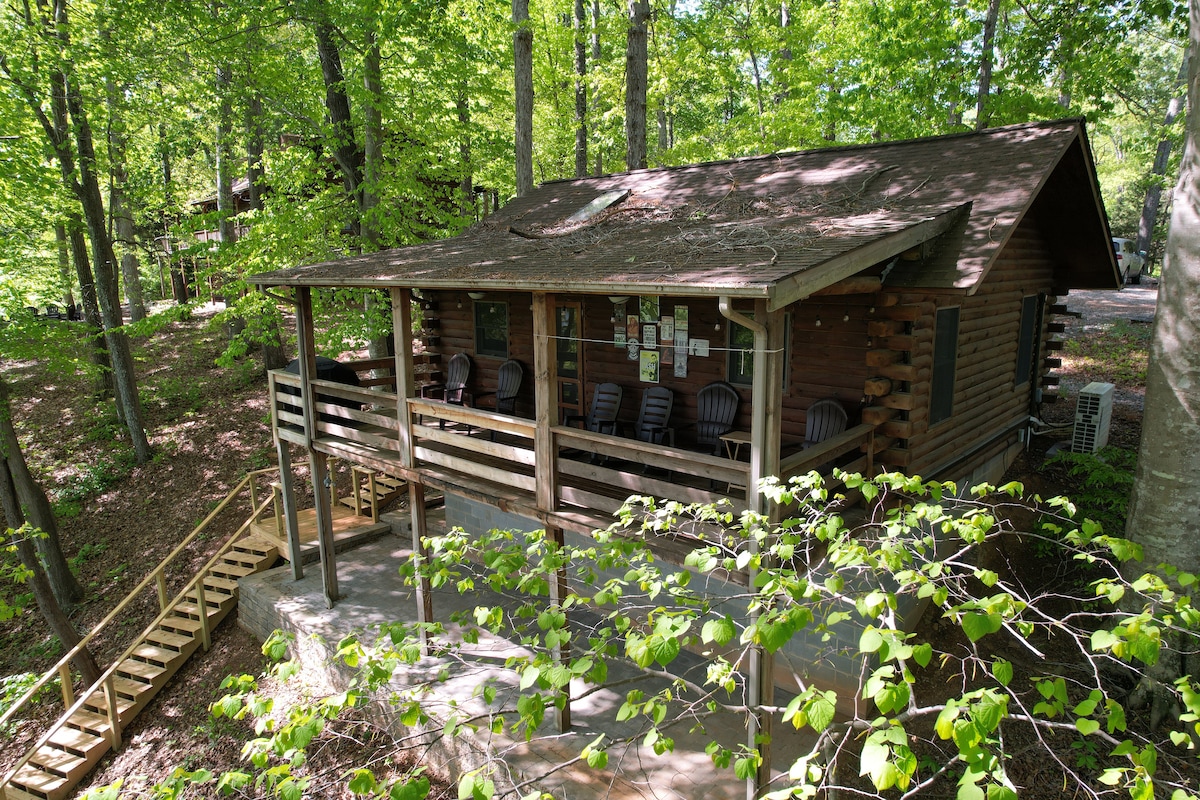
{"type": "Point", "coordinates": [1093, 414]}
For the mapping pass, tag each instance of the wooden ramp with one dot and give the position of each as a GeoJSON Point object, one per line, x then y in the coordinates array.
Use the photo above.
{"type": "Point", "coordinates": [83, 736]}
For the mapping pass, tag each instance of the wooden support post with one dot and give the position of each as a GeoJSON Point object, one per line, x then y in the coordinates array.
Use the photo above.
{"type": "Point", "coordinates": [161, 580]}
{"type": "Point", "coordinates": [66, 684]}
{"type": "Point", "coordinates": [202, 604]}
{"type": "Point", "coordinates": [287, 494]}
{"type": "Point", "coordinates": [545, 401]}
{"type": "Point", "coordinates": [318, 462]}
{"type": "Point", "coordinates": [561, 652]}
{"type": "Point", "coordinates": [766, 430]}
{"type": "Point", "coordinates": [114, 721]}
{"type": "Point", "coordinates": [424, 591]}
{"type": "Point", "coordinates": [405, 389]}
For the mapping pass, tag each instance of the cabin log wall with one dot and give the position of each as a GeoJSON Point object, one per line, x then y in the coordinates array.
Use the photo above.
{"type": "Point", "coordinates": [989, 407]}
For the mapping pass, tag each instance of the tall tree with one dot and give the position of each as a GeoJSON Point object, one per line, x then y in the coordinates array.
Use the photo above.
{"type": "Point", "coordinates": [523, 88]}
{"type": "Point", "coordinates": [43, 595]}
{"type": "Point", "coordinates": [579, 23]}
{"type": "Point", "coordinates": [34, 507]}
{"type": "Point", "coordinates": [636, 76]}
{"type": "Point", "coordinates": [985, 65]}
{"type": "Point", "coordinates": [1163, 514]}
{"type": "Point", "coordinates": [1158, 169]}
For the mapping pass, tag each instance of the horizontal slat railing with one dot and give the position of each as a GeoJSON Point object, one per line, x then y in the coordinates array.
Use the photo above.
{"type": "Point", "coordinates": [509, 462]}
{"type": "Point", "coordinates": [155, 576]}
{"type": "Point", "coordinates": [859, 438]}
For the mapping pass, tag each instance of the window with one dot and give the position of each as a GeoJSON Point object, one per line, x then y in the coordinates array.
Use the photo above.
{"type": "Point", "coordinates": [945, 356]}
{"type": "Point", "coordinates": [1027, 340]}
{"type": "Point", "coordinates": [740, 364]}
{"type": "Point", "coordinates": [491, 329]}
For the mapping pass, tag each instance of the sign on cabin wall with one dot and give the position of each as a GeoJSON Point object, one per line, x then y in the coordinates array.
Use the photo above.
{"type": "Point", "coordinates": [648, 366]}
{"type": "Point", "coordinates": [680, 331]}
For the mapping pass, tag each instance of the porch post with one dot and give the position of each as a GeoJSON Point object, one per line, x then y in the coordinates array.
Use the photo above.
{"type": "Point", "coordinates": [406, 388]}
{"type": "Point", "coordinates": [318, 462]}
{"type": "Point", "coordinates": [765, 433]}
{"type": "Point", "coordinates": [283, 456]}
{"type": "Point", "coordinates": [545, 366]}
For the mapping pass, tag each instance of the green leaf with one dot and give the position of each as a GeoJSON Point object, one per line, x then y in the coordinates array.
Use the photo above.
{"type": "Point", "coordinates": [362, 782]}
{"type": "Point", "coordinates": [977, 625]}
{"type": "Point", "coordinates": [720, 631]}
{"type": "Point", "coordinates": [871, 640]}
{"type": "Point", "coordinates": [1086, 726]}
{"type": "Point", "coordinates": [529, 676]}
{"type": "Point", "coordinates": [923, 654]}
{"type": "Point", "coordinates": [416, 789]}
{"type": "Point", "coordinates": [1003, 671]}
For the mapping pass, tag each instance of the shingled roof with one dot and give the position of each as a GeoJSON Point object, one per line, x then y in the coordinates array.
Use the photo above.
{"type": "Point", "coordinates": [778, 227]}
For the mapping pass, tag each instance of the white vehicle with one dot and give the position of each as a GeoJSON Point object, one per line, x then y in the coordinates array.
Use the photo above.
{"type": "Point", "coordinates": [1129, 260]}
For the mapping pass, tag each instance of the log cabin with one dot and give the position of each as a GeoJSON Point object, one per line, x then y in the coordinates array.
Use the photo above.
{"type": "Point", "coordinates": [914, 284]}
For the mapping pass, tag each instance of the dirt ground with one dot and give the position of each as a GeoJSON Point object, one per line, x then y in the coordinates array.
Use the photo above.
{"type": "Point", "coordinates": [210, 425]}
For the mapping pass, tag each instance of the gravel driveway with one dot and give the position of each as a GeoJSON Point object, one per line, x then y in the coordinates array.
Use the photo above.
{"type": "Point", "coordinates": [1133, 303]}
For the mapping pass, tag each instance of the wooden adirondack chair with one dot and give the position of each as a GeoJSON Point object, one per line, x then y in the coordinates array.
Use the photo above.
{"type": "Point", "coordinates": [454, 390]}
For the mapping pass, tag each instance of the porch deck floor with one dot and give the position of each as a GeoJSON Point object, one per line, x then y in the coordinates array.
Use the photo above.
{"type": "Point", "coordinates": [349, 530]}
{"type": "Point", "coordinates": [373, 593]}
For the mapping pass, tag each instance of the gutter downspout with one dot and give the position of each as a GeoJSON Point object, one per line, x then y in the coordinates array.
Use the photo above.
{"type": "Point", "coordinates": [760, 667]}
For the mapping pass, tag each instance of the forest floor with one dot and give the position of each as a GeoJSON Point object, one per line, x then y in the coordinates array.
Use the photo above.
{"type": "Point", "coordinates": [210, 425]}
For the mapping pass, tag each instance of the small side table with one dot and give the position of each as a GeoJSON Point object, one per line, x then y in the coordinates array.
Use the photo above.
{"type": "Point", "coordinates": [733, 448]}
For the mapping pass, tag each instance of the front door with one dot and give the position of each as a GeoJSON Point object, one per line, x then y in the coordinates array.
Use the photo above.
{"type": "Point", "coordinates": [569, 358]}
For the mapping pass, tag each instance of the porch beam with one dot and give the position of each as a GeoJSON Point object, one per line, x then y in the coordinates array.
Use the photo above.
{"type": "Point", "coordinates": [318, 461]}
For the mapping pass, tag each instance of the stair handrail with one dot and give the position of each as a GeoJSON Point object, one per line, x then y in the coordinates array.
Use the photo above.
{"type": "Point", "coordinates": [105, 680]}
{"type": "Point", "coordinates": [62, 668]}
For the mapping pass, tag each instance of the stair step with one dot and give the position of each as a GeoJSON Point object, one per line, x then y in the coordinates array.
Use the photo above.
{"type": "Point", "coordinates": [169, 640]}
{"type": "Point", "coordinates": [88, 722]}
{"type": "Point", "coordinates": [182, 625]}
{"type": "Point", "coordinates": [157, 656]}
{"type": "Point", "coordinates": [12, 792]}
{"type": "Point", "coordinates": [232, 570]}
{"type": "Point", "coordinates": [40, 783]}
{"type": "Point", "coordinates": [219, 584]}
{"type": "Point", "coordinates": [126, 707]}
{"type": "Point", "coordinates": [77, 742]}
{"type": "Point", "coordinates": [141, 672]}
{"type": "Point", "coordinates": [57, 762]}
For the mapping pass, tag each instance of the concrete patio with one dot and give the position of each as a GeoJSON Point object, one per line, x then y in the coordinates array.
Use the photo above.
{"type": "Point", "coordinates": [373, 593]}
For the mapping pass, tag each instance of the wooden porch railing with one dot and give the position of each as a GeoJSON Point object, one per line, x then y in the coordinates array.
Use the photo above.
{"type": "Point", "coordinates": [157, 576]}
{"type": "Point", "coordinates": [592, 469]}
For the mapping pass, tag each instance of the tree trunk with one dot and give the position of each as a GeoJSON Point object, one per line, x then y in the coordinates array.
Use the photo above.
{"type": "Point", "coordinates": [581, 154]}
{"type": "Point", "coordinates": [118, 204]}
{"type": "Point", "coordinates": [226, 212]}
{"type": "Point", "coordinates": [985, 65]}
{"type": "Point", "coordinates": [523, 86]}
{"type": "Point", "coordinates": [64, 268]}
{"type": "Point", "coordinates": [34, 507]}
{"type": "Point", "coordinates": [372, 142]}
{"type": "Point", "coordinates": [51, 610]}
{"type": "Point", "coordinates": [87, 190]}
{"type": "Point", "coordinates": [1163, 514]}
{"type": "Point", "coordinates": [1162, 157]}
{"type": "Point", "coordinates": [344, 145]}
{"type": "Point", "coordinates": [255, 172]}
{"type": "Point", "coordinates": [636, 71]}
{"type": "Point", "coordinates": [462, 106]}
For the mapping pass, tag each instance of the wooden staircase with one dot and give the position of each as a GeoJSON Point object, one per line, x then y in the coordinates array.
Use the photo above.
{"type": "Point", "coordinates": [372, 491]}
{"type": "Point", "coordinates": [86, 731]}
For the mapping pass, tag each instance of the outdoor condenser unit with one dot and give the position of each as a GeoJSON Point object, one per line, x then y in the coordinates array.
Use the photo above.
{"type": "Point", "coordinates": [1093, 414]}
